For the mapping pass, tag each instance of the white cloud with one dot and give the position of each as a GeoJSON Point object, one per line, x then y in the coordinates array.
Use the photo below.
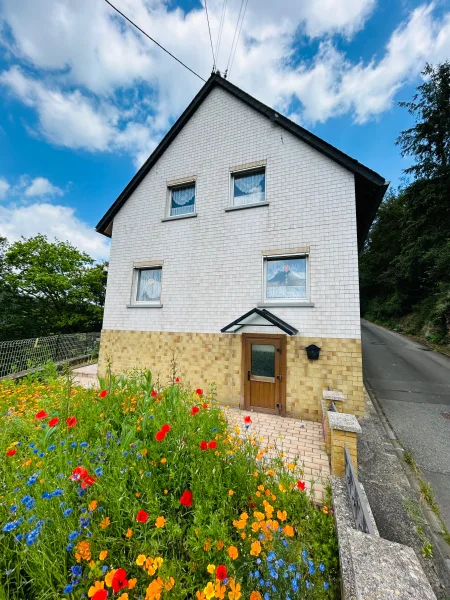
{"type": "Point", "coordinates": [4, 187]}
{"type": "Point", "coordinates": [54, 221]}
{"type": "Point", "coordinates": [40, 186]}
{"type": "Point", "coordinates": [104, 87]}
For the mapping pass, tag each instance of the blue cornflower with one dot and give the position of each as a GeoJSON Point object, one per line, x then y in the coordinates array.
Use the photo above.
{"type": "Point", "coordinates": [304, 554]}
{"type": "Point", "coordinates": [62, 442]}
{"type": "Point", "coordinates": [69, 547]}
{"type": "Point", "coordinates": [214, 428]}
{"type": "Point", "coordinates": [41, 455]}
{"type": "Point", "coordinates": [104, 569]}
{"type": "Point", "coordinates": [267, 596]}
{"type": "Point", "coordinates": [13, 508]}
{"type": "Point", "coordinates": [258, 561]}
{"type": "Point", "coordinates": [73, 535]}
{"type": "Point", "coordinates": [261, 582]}
{"type": "Point", "coordinates": [73, 445]}
{"type": "Point", "coordinates": [52, 447]}
{"type": "Point", "coordinates": [325, 585]}
{"type": "Point", "coordinates": [308, 584]}
{"type": "Point", "coordinates": [67, 512]}
{"type": "Point", "coordinates": [256, 574]}
{"type": "Point", "coordinates": [270, 556]}
{"type": "Point", "coordinates": [68, 589]}
{"type": "Point", "coordinates": [83, 444]}
{"type": "Point", "coordinates": [10, 526]}
{"type": "Point", "coordinates": [274, 589]}
{"type": "Point", "coordinates": [46, 495]}
{"type": "Point", "coordinates": [77, 571]}
{"type": "Point", "coordinates": [311, 570]}
{"type": "Point", "coordinates": [321, 568]}
{"type": "Point", "coordinates": [36, 450]}
{"type": "Point", "coordinates": [294, 585]}
{"type": "Point", "coordinates": [273, 573]}
{"type": "Point", "coordinates": [280, 562]}
{"type": "Point", "coordinates": [125, 453]}
{"type": "Point", "coordinates": [32, 445]}
{"type": "Point", "coordinates": [57, 492]}
{"type": "Point", "coordinates": [98, 471]}
{"type": "Point", "coordinates": [285, 543]}
{"type": "Point", "coordinates": [291, 568]}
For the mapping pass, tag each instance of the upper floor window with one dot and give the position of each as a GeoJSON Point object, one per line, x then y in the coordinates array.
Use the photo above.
{"type": "Point", "coordinates": [248, 187]}
{"type": "Point", "coordinates": [182, 199]}
{"type": "Point", "coordinates": [285, 278]}
{"type": "Point", "coordinates": [148, 284]}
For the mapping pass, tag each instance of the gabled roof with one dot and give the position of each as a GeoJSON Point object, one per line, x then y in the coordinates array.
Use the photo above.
{"type": "Point", "coordinates": [259, 318]}
{"type": "Point", "coordinates": [370, 187]}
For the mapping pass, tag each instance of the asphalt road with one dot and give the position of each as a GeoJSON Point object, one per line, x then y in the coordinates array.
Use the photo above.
{"type": "Point", "coordinates": [412, 385]}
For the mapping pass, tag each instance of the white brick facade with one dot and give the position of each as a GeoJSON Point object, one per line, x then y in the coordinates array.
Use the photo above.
{"type": "Point", "coordinates": [212, 270]}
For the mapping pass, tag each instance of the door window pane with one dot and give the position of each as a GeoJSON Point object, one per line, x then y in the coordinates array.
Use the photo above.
{"type": "Point", "coordinates": [249, 188]}
{"type": "Point", "coordinates": [149, 285]}
{"type": "Point", "coordinates": [286, 278]}
{"type": "Point", "coordinates": [182, 200]}
{"type": "Point", "coordinates": [263, 360]}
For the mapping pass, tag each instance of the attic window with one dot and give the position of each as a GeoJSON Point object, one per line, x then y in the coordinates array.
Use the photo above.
{"type": "Point", "coordinates": [182, 199]}
{"type": "Point", "coordinates": [248, 187]}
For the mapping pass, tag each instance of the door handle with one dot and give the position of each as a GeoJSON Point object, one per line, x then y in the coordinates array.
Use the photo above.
{"type": "Point", "coordinates": [279, 377]}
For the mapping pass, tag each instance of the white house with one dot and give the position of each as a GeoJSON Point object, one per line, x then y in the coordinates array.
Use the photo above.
{"type": "Point", "coordinates": [235, 247]}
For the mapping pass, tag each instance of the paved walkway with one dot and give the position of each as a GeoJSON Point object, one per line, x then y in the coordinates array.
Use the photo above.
{"type": "Point", "coordinates": [296, 439]}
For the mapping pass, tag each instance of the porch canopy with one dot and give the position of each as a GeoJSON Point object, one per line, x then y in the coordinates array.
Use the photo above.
{"type": "Point", "coordinates": [259, 318]}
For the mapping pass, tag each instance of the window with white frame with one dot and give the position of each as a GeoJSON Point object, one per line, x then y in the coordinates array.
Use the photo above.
{"type": "Point", "coordinates": [182, 199]}
{"type": "Point", "coordinates": [148, 284]}
{"type": "Point", "coordinates": [286, 278]}
{"type": "Point", "coordinates": [248, 187]}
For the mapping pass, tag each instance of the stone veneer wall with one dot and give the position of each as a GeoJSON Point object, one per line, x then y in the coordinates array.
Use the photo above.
{"type": "Point", "coordinates": [203, 358]}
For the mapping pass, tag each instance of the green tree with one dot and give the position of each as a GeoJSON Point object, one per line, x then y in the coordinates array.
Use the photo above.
{"type": "Point", "coordinates": [49, 287]}
{"type": "Point", "coordinates": [429, 140]}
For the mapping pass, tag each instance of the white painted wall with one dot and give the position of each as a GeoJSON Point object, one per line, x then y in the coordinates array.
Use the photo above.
{"type": "Point", "coordinates": [212, 264]}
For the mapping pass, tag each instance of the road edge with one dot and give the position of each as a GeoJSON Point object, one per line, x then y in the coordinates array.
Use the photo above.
{"type": "Point", "coordinates": [432, 519]}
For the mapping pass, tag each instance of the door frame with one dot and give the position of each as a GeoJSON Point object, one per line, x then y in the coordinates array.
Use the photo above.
{"type": "Point", "coordinates": [281, 339]}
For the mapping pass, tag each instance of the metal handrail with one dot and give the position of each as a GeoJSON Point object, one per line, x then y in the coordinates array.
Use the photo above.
{"type": "Point", "coordinates": [357, 499]}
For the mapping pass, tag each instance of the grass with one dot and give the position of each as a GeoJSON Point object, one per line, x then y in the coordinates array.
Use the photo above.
{"type": "Point", "coordinates": [142, 491]}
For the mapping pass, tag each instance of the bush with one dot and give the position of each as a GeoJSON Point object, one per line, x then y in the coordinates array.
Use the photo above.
{"type": "Point", "coordinates": [136, 492]}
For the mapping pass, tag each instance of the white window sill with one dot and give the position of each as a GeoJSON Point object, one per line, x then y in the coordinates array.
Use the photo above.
{"type": "Point", "coordinates": [231, 208]}
{"type": "Point", "coordinates": [178, 217]}
{"type": "Point", "coordinates": [285, 304]}
{"type": "Point", "coordinates": [144, 305]}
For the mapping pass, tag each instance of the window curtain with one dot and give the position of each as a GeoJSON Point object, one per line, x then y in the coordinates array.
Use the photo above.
{"type": "Point", "coordinates": [149, 285]}
{"type": "Point", "coordinates": [249, 189]}
{"type": "Point", "coordinates": [286, 278]}
{"type": "Point", "coordinates": [183, 201]}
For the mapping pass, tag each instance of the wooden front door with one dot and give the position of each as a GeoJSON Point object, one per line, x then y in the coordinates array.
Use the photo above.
{"type": "Point", "coordinates": [264, 372]}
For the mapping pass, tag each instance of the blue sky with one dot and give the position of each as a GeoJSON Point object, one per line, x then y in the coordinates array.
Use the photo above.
{"type": "Point", "coordinates": [84, 98]}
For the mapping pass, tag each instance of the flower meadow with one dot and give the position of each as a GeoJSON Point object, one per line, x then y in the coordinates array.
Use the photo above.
{"type": "Point", "coordinates": [142, 491]}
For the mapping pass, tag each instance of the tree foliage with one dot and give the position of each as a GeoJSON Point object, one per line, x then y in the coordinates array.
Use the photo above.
{"type": "Point", "coordinates": [405, 266]}
{"type": "Point", "coordinates": [48, 287]}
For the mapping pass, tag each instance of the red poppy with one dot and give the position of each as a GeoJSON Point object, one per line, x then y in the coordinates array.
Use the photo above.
{"type": "Point", "coordinates": [186, 498]}
{"type": "Point", "coordinates": [71, 421]}
{"type": "Point", "coordinates": [301, 485]}
{"type": "Point", "coordinates": [53, 422]}
{"type": "Point", "coordinates": [195, 410]}
{"type": "Point", "coordinates": [160, 435]}
{"type": "Point", "coordinates": [199, 392]}
{"type": "Point", "coordinates": [11, 452]}
{"type": "Point", "coordinates": [203, 445]}
{"type": "Point", "coordinates": [205, 406]}
{"type": "Point", "coordinates": [102, 394]}
{"type": "Point", "coordinates": [166, 428]}
{"type": "Point", "coordinates": [100, 595]}
{"type": "Point", "coordinates": [154, 393]}
{"type": "Point", "coordinates": [221, 572]}
{"type": "Point", "coordinates": [177, 380]}
{"type": "Point", "coordinates": [119, 580]}
{"type": "Point", "coordinates": [79, 473]}
{"type": "Point", "coordinates": [247, 419]}
{"type": "Point", "coordinates": [142, 516]}
{"type": "Point", "coordinates": [212, 445]}
{"type": "Point", "coordinates": [41, 415]}
{"type": "Point", "coordinates": [87, 482]}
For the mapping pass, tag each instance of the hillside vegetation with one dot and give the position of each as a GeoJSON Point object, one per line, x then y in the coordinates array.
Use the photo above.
{"type": "Point", "coordinates": [405, 265]}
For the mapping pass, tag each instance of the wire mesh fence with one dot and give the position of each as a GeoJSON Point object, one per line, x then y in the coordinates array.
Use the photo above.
{"type": "Point", "coordinates": [17, 356]}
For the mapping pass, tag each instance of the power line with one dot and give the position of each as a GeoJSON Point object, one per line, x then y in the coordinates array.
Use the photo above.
{"type": "Point", "coordinates": [210, 38]}
{"type": "Point", "coordinates": [222, 21]}
{"type": "Point", "coordinates": [237, 39]}
{"type": "Point", "coordinates": [234, 36]}
{"type": "Point", "coordinates": [150, 38]}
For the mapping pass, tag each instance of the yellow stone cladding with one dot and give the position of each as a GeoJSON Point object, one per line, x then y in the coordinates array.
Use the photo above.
{"type": "Point", "coordinates": [203, 358]}
{"type": "Point", "coordinates": [339, 439]}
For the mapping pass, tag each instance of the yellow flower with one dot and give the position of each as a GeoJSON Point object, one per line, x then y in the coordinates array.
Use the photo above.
{"type": "Point", "coordinates": [153, 591]}
{"type": "Point", "coordinates": [220, 545]}
{"type": "Point", "coordinates": [123, 596]}
{"type": "Point", "coordinates": [105, 523]}
{"type": "Point", "coordinates": [141, 560]}
{"type": "Point", "coordinates": [290, 466]}
{"type": "Point", "coordinates": [288, 530]}
{"type": "Point", "coordinates": [235, 593]}
{"type": "Point", "coordinates": [230, 492]}
{"type": "Point", "coordinates": [138, 494]}
{"type": "Point", "coordinates": [271, 472]}
{"type": "Point", "coordinates": [220, 590]}
{"type": "Point", "coordinates": [243, 535]}
{"type": "Point", "coordinates": [325, 510]}
{"type": "Point", "coordinates": [93, 505]}
{"type": "Point", "coordinates": [160, 522]}
{"type": "Point", "coordinates": [233, 552]}
{"type": "Point", "coordinates": [259, 515]}
{"type": "Point", "coordinates": [282, 488]}
{"type": "Point", "coordinates": [132, 583]}
{"type": "Point", "coordinates": [129, 533]}
{"type": "Point", "coordinates": [255, 549]}
{"type": "Point", "coordinates": [211, 569]}
{"type": "Point", "coordinates": [282, 514]}
{"type": "Point", "coordinates": [200, 595]}
{"type": "Point", "coordinates": [103, 554]}
{"type": "Point", "coordinates": [261, 488]}
{"type": "Point", "coordinates": [166, 491]}
{"type": "Point", "coordinates": [163, 461]}
{"type": "Point", "coordinates": [82, 551]}
{"type": "Point", "coordinates": [109, 577]}
{"type": "Point", "coordinates": [98, 585]}
{"type": "Point", "coordinates": [244, 516]}
{"type": "Point", "coordinates": [209, 591]}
